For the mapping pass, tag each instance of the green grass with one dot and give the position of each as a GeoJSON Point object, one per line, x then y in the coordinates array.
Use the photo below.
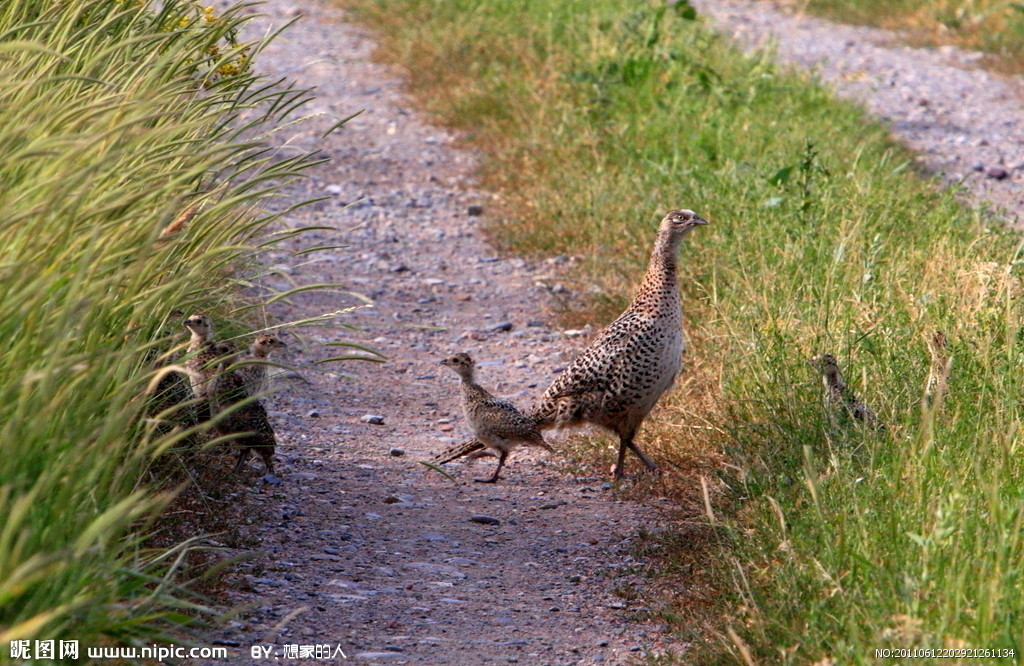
{"type": "Point", "coordinates": [995, 27]}
{"type": "Point", "coordinates": [595, 118]}
{"type": "Point", "coordinates": [132, 164]}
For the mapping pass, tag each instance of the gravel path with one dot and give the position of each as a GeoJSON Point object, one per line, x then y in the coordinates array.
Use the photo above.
{"type": "Point", "coordinates": [371, 552]}
{"type": "Point", "coordinates": [967, 124]}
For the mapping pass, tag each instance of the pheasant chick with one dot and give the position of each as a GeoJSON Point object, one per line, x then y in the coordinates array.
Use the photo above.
{"type": "Point", "coordinates": [495, 423]}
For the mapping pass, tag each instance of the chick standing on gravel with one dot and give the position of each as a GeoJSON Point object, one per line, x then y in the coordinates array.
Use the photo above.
{"type": "Point", "coordinates": [495, 423]}
{"type": "Point", "coordinates": [248, 422]}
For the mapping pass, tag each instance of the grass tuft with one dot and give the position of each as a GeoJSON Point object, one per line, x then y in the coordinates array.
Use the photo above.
{"type": "Point", "coordinates": [135, 155]}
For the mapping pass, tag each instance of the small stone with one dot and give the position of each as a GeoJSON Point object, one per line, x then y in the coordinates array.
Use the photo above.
{"type": "Point", "coordinates": [313, 414]}
{"type": "Point", "coordinates": [500, 327]}
{"type": "Point", "coordinates": [399, 268]}
{"type": "Point", "coordinates": [271, 480]}
{"type": "Point", "coordinates": [552, 505]}
{"type": "Point", "coordinates": [394, 648]}
{"type": "Point", "coordinates": [462, 562]}
{"type": "Point", "coordinates": [535, 323]}
{"type": "Point", "coordinates": [332, 551]}
{"type": "Point", "coordinates": [476, 210]}
{"type": "Point", "coordinates": [396, 453]}
{"type": "Point", "coordinates": [372, 419]}
{"type": "Point", "coordinates": [606, 485]}
{"type": "Point", "coordinates": [997, 173]}
{"type": "Point", "coordinates": [978, 166]}
{"type": "Point", "coordinates": [471, 335]}
{"type": "Point", "coordinates": [433, 569]}
{"type": "Point", "coordinates": [325, 557]}
{"type": "Point", "coordinates": [485, 520]}
{"type": "Point", "coordinates": [333, 189]}
{"type": "Point", "coordinates": [391, 499]}
{"type": "Point", "coordinates": [575, 579]}
{"type": "Point", "coordinates": [602, 644]}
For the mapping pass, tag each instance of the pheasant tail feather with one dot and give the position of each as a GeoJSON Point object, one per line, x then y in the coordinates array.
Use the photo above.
{"type": "Point", "coordinates": [457, 451]}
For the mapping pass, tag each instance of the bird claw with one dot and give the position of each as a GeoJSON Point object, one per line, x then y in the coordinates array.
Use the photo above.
{"type": "Point", "coordinates": [619, 473]}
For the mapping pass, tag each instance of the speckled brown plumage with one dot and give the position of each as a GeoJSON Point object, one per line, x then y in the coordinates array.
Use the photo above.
{"type": "Point", "coordinates": [254, 370]}
{"type": "Point", "coordinates": [615, 382]}
{"type": "Point", "coordinates": [248, 422]}
{"type": "Point", "coordinates": [495, 423]}
{"type": "Point", "coordinates": [201, 361]}
{"type": "Point", "coordinates": [466, 448]}
{"type": "Point", "coordinates": [838, 396]}
{"type": "Point", "coordinates": [170, 402]}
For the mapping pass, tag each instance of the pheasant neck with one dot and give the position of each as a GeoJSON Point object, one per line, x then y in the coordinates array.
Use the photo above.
{"type": "Point", "coordinates": [661, 271]}
{"type": "Point", "coordinates": [197, 340]}
{"type": "Point", "coordinates": [834, 379]}
{"type": "Point", "coordinates": [471, 390]}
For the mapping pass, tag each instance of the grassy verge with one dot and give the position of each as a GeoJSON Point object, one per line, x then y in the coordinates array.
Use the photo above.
{"type": "Point", "coordinates": [827, 540]}
{"type": "Point", "coordinates": [132, 163]}
{"type": "Point", "coordinates": [995, 27]}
